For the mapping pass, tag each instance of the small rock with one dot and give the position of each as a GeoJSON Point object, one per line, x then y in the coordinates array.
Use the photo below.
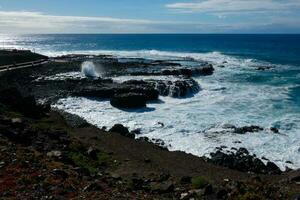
{"type": "Point", "coordinates": [115, 176]}
{"type": "Point", "coordinates": [274, 130]}
{"type": "Point", "coordinates": [208, 190]}
{"type": "Point", "coordinates": [16, 121]}
{"type": "Point", "coordinates": [93, 153]}
{"type": "Point", "coordinates": [164, 176]}
{"type": "Point", "coordinates": [248, 129]}
{"type": "Point", "coordinates": [222, 194]}
{"type": "Point", "coordinates": [296, 179]}
{"type": "Point", "coordinates": [184, 196]}
{"type": "Point", "coordinates": [92, 187]}
{"type": "Point", "coordinates": [273, 168]}
{"type": "Point", "coordinates": [129, 100]}
{"type": "Point", "coordinates": [137, 183]}
{"type": "Point", "coordinates": [54, 154]}
{"type": "Point", "coordinates": [186, 180]}
{"type": "Point", "coordinates": [119, 128]}
{"type": "Point", "coordinates": [60, 173]}
{"type": "Point", "coordinates": [164, 187]}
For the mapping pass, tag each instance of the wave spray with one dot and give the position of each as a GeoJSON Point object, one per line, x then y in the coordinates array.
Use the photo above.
{"type": "Point", "coordinates": [89, 70]}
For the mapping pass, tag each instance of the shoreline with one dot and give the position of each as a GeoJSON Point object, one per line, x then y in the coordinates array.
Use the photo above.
{"type": "Point", "coordinates": [146, 158]}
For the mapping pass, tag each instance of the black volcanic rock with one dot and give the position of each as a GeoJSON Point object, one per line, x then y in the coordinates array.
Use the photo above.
{"type": "Point", "coordinates": [119, 128]}
{"type": "Point", "coordinates": [25, 104]}
{"type": "Point", "coordinates": [243, 161]}
{"type": "Point", "coordinates": [205, 70]}
{"type": "Point", "coordinates": [248, 129]}
{"type": "Point", "coordinates": [197, 71]}
{"type": "Point", "coordinates": [129, 100]}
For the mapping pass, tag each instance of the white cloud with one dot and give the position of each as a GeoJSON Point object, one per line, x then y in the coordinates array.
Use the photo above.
{"type": "Point", "coordinates": [215, 6]}
{"type": "Point", "coordinates": [36, 22]}
{"type": "Point", "coordinates": [12, 22]}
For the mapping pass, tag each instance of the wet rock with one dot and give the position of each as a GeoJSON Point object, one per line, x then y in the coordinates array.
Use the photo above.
{"type": "Point", "coordinates": [229, 126]}
{"type": "Point", "coordinates": [263, 68]}
{"type": "Point", "coordinates": [248, 129]}
{"type": "Point", "coordinates": [243, 161]}
{"type": "Point", "coordinates": [95, 91]}
{"type": "Point", "coordinates": [274, 130]}
{"type": "Point", "coordinates": [129, 100]}
{"type": "Point", "coordinates": [274, 169]}
{"type": "Point", "coordinates": [203, 71]}
{"type": "Point", "coordinates": [119, 128]}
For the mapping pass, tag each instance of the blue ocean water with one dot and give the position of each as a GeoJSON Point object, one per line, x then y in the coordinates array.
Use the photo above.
{"type": "Point", "coordinates": [284, 49]}
{"type": "Point", "coordinates": [237, 94]}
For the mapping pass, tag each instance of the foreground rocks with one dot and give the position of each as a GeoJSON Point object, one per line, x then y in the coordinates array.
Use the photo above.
{"type": "Point", "coordinates": [241, 160]}
{"type": "Point", "coordinates": [24, 104]}
{"type": "Point", "coordinates": [205, 70]}
{"type": "Point", "coordinates": [129, 100]}
{"type": "Point", "coordinates": [45, 158]}
{"type": "Point", "coordinates": [176, 89]}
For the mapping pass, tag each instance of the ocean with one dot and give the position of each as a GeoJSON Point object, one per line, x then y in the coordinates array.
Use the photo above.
{"type": "Point", "coordinates": [236, 94]}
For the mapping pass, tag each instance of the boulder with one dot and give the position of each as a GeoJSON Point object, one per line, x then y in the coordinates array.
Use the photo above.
{"type": "Point", "coordinates": [60, 173]}
{"type": "Point", "coordinates": [248, 129]}
{"type": "Point", "coordinates": [93, 153]}
{"type": "Point", "coordinates": [119, 128]}
{"type": "Point", "coordinates": [129, 100]}
{"type": "Point", "coordinates": [24, 104]}
{"type": "Point", "coordinates": [241, 160]}
{"type": "Point", "coordinates": [161, 188]}
{"type": "Point", "coordinates": [95, 91]}
{"type": "Point", "coordinates": [176, 89]}
{"type": "Point", "coordinates": [197, 71]}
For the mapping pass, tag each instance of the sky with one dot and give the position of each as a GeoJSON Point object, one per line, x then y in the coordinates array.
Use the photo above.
{"type": "Point", "coordinates": [149, 16]}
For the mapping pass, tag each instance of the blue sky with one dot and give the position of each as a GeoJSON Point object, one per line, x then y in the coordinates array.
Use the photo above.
{"type": "Point", "coordinates": [150, 16]}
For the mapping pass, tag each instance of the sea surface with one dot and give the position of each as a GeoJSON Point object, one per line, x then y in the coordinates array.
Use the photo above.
{"type": "Point", "coordinates": [237, 94]}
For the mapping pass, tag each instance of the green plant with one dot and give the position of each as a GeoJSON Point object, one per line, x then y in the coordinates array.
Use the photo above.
{"type": "Point", "coordinates": [199, 182]}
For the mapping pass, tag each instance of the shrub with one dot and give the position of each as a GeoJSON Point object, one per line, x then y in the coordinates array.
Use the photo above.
{"type": "Point", "coordinates": [199, 182]}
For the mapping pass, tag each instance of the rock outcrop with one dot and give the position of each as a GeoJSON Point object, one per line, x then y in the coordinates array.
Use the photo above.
{"type": "Point", "coordinates": [129, 100]}
{"type": "Point", "coordinates": [241, 160]}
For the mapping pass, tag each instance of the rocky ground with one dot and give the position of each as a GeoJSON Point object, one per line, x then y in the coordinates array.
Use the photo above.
{"type": "Point", "coordinates": [14, 57]}
{"type": "Point", "coordinates": [53, 155]}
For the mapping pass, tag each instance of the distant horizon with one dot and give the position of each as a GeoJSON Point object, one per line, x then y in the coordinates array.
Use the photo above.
{"type": "Point", "coordinates": [151, 34]}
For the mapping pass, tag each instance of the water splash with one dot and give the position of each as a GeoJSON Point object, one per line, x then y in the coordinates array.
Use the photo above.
{"type": "Point", "coordinates": [89, 70]}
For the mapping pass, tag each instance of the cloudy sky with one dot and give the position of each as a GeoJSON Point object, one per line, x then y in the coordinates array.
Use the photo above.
{"type": "Point", "coordinates": [149, 16]}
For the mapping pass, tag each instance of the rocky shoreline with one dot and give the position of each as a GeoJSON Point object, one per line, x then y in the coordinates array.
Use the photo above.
{"type": "Point", "coordinates": [77, 159]}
